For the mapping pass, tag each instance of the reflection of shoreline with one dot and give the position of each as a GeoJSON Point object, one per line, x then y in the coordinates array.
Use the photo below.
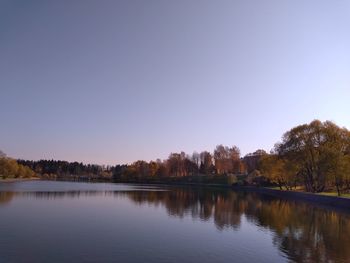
{"type": "Point", "coordinates": [302, 232]}
{"type": "Point", "coordinates": [49, 195]}
{"type": "Point", "coordinates": [7, 196]}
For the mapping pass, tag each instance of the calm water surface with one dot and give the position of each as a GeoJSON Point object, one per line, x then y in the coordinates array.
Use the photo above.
{"type": "Point", "coordinates": [44, 221]}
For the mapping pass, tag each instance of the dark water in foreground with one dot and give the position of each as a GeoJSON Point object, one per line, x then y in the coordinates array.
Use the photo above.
{"type": "Point", "coordinates": [81, 222]}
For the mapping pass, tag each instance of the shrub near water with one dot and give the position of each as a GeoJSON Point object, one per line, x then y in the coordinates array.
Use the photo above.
{"type": "Point", "coordinates": [9, 168]}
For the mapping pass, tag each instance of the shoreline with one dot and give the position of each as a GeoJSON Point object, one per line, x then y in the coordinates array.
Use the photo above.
{"type": "Point", "coordinates": [13, 180]}
{"type": "Point", "coordinates": [325, 201]}
{"type": "Point", "coordinates": [333, 202]}
{"type": "Point", "coordinates": [340, 204]}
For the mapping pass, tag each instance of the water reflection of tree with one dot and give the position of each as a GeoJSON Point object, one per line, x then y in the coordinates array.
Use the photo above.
{"type": "Point", "coordinates": [6, 197]}
{"type": "Point", "coordinates": [302, 232]}
{"type": "Point", "coordinates": [199, 204]}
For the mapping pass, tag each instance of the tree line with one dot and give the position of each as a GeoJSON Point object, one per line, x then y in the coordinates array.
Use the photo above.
{"type": "Point", "coordinates": [224, 160]}
{"type": "Point", "coordinates": [55, 169]}
{"type": "Point", "coordinates": [314, 157]}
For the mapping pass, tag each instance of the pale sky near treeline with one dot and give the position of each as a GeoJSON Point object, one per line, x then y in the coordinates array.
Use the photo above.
{"type": "Point", "coordinates": [111, 82]}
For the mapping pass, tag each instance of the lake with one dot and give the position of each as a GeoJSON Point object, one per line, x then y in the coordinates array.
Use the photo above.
{"type": "Point", "coordinates": [48, 221]}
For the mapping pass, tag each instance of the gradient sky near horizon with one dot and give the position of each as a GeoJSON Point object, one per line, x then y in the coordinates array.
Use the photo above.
{"type": "Point", "coordinates": [111, 82]}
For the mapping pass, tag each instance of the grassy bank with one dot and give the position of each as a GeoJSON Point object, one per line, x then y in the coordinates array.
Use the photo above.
{"type": "Point", "coordinates": [325, 201]}
{"type": "Point", "coordinates": [334, 194]}
{"type": "Point", "coordinates": [301, 190]}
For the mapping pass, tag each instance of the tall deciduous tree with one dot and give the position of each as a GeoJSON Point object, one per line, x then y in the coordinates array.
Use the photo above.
{"type": "Point", "coordinates": [206, 166]}
{"type": "Point", "coordinates": [320, 150]}
{"type": "Point", "coordinates": [227, 160]}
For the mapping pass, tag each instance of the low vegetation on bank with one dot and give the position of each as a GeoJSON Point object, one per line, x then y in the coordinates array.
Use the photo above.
{"type": "Point", "coordinates": [11, 169]}
{"type": "Point", "coordinates": [312, 157]}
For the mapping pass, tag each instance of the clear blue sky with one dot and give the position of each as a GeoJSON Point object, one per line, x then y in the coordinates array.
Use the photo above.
{"type": "Point", "coordinates": [115, 81]}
